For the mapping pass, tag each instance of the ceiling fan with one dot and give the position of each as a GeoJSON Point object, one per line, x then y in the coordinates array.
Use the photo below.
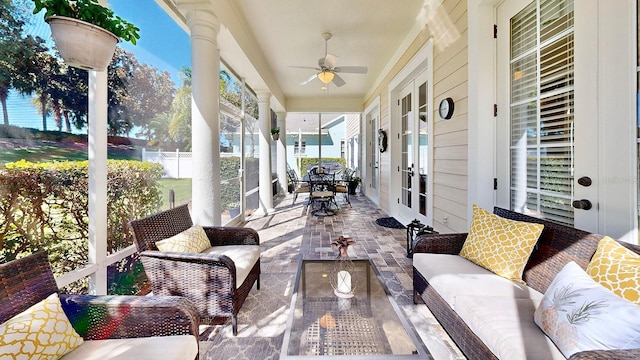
{"type": "Point", "coordinates": [327, 71]}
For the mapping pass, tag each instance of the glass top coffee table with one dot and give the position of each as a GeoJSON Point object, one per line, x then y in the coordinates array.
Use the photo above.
{"type": "Point", "coordinates": [354, 318]}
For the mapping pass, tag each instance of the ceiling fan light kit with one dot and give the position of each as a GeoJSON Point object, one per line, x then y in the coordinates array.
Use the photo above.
{"type": "Point", "coordinates": [326, 76]}
{"type": "Point", "coordinates": [327, 71]}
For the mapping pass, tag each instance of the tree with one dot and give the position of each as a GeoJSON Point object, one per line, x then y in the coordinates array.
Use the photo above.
{"type": "Point", "coordinates": [180, 123]}
{"type": "Point", "coordinates": [16, 52]}
{"type": "Point", "coordinates": [179, 117]}
{"type": "Point", "coordinates": [71, 96]}
{"type": "Point", "coordinates": [137, 93]}
{"type": "Point", "coordinates": [157, 130]}
{"type": "Point", "coordinates": [47, 69]}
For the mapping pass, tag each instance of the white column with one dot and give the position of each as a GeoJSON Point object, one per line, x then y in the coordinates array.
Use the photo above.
{"type": "Point", "coordinates": [264, 119]}
{"type": "Point", "coordinates": [205, 109]}
{"type": "Point", "coordinates": [282, 153]}
{"type": "Point", "coordinates": [97, 152]}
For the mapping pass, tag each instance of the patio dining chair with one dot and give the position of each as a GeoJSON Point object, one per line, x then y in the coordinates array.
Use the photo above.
{"type": "Point", "coordinates": [322, 192]}
{"type": "Point", "coordinates": [299, 186]}
{"type": "Point", "coordinates": [342, 185]}
{"type": "Point", "coordinates": [217, 279]}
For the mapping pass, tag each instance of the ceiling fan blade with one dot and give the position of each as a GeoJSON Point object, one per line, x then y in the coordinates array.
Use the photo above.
{"type": "Point", "coordinates": [352, 69]}
{"type": "Point", "coordinates": [314, 76]}
{"type": "Point", "coordinates": [337, 80]}
{"type": "Point", "coordinates": [304, 67]}
{"type": "Point", "coordinates": [330, 61]}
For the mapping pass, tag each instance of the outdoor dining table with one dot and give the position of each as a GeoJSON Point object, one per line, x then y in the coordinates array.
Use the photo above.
{"type": "Point", "coordinates": [322, 191]}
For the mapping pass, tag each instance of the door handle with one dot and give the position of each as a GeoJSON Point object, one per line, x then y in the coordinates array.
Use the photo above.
{"type": "Point", "coordinates": [583, 204]}
{"type": "Point", "coordinates": [585, 181]}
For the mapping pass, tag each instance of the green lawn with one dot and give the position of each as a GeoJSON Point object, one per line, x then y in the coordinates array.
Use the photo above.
{"type": "Point", "coordinates": [181, 187]}
{"type": "Point", "coordinates": [47, 153]}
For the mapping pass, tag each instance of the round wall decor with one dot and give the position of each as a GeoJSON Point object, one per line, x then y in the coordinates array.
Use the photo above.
{"type": "Point", "coordinates": [446, 108]}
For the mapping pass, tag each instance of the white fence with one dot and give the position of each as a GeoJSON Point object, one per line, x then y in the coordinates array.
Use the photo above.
{"type": "Point", "coordinates": [177, 165]}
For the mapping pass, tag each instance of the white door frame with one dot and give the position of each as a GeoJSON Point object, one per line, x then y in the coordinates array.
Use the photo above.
{"type": "Point", "coordinates": [421, 61]}
{"type": "Point", "coordinates": [609, 90]}
{"type": "Point", "coordinates": [370, 145]}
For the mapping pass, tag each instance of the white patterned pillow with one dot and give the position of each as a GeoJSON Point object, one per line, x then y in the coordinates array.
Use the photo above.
{"type": "Point", "coordinates": [43, 331]}
{"type": "Point", "coordinates": [578, 314]}
{"type": "Point", "coordinates": [192, 240]}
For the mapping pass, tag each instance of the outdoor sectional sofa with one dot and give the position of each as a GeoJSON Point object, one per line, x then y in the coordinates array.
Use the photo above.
{"type": "Point", "coordinates": [487, 315]}
{"type": "Point", "coordinates": [111, 327]}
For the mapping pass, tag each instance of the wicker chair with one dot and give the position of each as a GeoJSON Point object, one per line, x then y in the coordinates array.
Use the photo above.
{"type": "Point", "coordinates": [209, 280]}
{"type": "Point", "coordinates": [29, 280]}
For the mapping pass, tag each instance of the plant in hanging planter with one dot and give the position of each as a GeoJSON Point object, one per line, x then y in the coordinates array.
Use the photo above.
{"type": "Point", "coordinates": [77, 25]}
{"type": "Point", "coordinates": [275, 133]}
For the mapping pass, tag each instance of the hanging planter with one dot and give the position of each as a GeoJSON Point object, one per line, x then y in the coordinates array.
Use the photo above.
{"type": "Point", "coordinates": [81, 44]}
{"type": "Point", "coordinates": [85, 32]}
{"type": "Point", "coordinates": [275, 133]}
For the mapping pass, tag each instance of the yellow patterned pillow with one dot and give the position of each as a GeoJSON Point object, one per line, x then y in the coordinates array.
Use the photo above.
{"type": "Point", "coordinates": [500, 245]}
{"type": "Point", "coordinates": [192, 240]}
{"type": "Point", "coordinates": [43, 331]}
{"type": "Point", "coordinates": [616, 268]}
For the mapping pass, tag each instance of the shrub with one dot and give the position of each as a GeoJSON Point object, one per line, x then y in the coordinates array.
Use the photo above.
{"type": "Point", "coordinates": [44, 206]}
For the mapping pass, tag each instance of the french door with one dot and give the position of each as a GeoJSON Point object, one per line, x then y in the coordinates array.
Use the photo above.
{"type": "Point", "coordinates": [414, 167]}
{"type": "Point", "coordinates": [542, 163]}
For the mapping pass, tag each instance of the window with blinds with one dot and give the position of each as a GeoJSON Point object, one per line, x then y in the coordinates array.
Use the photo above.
{"type": "Point", "coordinates": [541, 110]}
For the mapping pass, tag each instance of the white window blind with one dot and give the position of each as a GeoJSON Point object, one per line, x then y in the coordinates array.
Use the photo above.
{"type": "Point", "coordinates": [541, 110]}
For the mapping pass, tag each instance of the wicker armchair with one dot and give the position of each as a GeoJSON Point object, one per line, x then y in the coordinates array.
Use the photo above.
{"type": "Point", "coordinates": [29, 280]}
{"type": "Point", "coordinates": [209, 280]}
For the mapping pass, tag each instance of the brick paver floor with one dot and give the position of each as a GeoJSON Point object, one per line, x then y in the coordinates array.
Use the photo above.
{"type": "Point", "coordinates": [290, 233]}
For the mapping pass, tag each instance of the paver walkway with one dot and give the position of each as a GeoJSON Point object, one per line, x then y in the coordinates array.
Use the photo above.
{"type": "Point", "coordinates": [291, 233]}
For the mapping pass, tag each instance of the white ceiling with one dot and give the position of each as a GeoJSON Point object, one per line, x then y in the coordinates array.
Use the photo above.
{"type": "Point", "coordinates": [262, 39]}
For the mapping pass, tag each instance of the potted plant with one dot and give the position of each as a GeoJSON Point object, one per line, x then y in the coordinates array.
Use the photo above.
{"type": "Point", "coordinates": [354, 181]}
{"type": "Point", "coordinates": [85, 32]}
{"type": "Point", "coordinates": [275, 133]}
{"type": "Point", "coordinates": [234, 209]}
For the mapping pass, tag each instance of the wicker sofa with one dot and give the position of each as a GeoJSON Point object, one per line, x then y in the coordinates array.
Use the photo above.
{"type": "Point", "coordinates": [122, 327]}
{"type": "Point", "coordinates": [556, 246]}
{"type": "Point", "coordinates": [216, 284]}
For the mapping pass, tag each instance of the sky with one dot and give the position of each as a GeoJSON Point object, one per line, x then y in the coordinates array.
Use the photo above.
{"type": "Point", "coordinates": [162, 44]}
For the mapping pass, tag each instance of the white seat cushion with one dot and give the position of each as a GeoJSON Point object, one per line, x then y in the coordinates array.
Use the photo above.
{"type": "Point", "coordinates": [145, 348]}
{"type": "Point", "coordinates": [505, 325]}
{"type": "Point", "coordinates": [453, 275]}
{"type": "Point", "coordinates": [244, 257]}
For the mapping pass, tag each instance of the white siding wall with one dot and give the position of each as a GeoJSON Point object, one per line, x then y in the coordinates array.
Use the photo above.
{"type": "Point", "coordinates": [448, 29]}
